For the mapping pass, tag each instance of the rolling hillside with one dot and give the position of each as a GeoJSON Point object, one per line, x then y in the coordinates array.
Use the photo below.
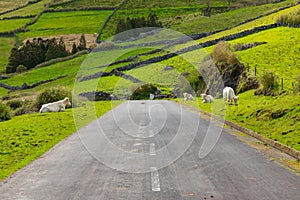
{"type": "Point", "coordinates": [163, 58]}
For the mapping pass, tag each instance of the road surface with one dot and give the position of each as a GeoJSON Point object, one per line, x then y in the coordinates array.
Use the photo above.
{"type": "Point", "coordinates": [150, 150]}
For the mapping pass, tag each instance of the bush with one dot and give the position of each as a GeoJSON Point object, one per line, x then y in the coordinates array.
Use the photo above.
{"type": "Point", "coordinates": [28, 107]}
{"type": "Point", "coordinates": [14, 104]}
{"type": "Point", "coordinates": [4, 112]}
{"type": "Point", "coordinates": [269, 84]}
{"type": "Point", "coordinates": [247, 83]}
{"type": "Point", "coordinates": [143, 92]}
{"type": "Point", "coordinates": [51, 95]}
{"type": "Point", "coordinates": [21, 68]}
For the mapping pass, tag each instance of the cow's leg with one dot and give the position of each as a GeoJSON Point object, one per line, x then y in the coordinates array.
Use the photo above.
{"type": "Point", "coordinates": [45, 109]}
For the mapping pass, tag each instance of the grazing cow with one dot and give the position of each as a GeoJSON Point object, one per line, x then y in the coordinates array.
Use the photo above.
{"type": "Point", "coordinates": [206, 98]}
{"type": "Point", "coordinates": [228, 95]}
{"type": "Point", "coordinates": [187, 96]}
{"type": "Point", "coordinates": [56, 106]}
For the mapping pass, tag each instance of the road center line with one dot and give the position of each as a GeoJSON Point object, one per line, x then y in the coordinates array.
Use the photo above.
{"type": "Point", "coordinates": [155, 179]}
{"type": "Point", "coordinates": [152, 149]}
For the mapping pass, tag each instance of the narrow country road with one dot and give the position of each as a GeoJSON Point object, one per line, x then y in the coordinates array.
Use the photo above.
{"type": "Point", "coordinates": [150, 150]}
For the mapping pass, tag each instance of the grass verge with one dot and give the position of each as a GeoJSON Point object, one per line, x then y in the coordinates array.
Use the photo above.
{"type": "Point", "coordinates": [27, 137]}
{"type": "Point", "coordinates": [277, 118]}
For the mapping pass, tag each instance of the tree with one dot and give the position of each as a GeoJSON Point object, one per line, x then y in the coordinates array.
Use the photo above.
{"type": "Point", "coordinates": [74, 48]}
{"type": "Point", "coordinates": [82, 43]}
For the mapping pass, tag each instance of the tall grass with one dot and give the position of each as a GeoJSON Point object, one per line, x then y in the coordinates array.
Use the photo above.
{"type": "Point", "coordinates": [291, 19]}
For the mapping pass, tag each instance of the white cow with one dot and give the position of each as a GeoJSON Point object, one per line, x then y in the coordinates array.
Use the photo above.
{"type": "Point", "coordinates": [206, 98]}
{"type": "Point", "coordinates": [187, 96]}
{"type": "Point", "coordinates": [56, 106]}
{"type": "Point", "coordinates": [228, 95]}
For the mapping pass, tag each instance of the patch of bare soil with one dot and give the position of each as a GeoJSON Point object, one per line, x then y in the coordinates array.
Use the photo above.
{"type": "Point", "coordinates": [70, 39]}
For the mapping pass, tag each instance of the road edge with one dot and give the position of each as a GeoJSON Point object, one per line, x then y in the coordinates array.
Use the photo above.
{"type": "Point", "coordinates": [275, 144]}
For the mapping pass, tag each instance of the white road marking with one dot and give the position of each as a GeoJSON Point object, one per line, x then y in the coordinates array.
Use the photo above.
{"type": "Point", "coordinates": [137, 144]}
{"type": "Point", "coordinates": [152, 149]}
{"type": "Point", "coordinates": [155, 179]}
{"type": "Point", "coordinates": [151, 134]}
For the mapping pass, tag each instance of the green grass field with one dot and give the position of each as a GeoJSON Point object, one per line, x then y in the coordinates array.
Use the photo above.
{"type": "Point", "coordinates": [269, 19]}
{"type": "Point", "coordinates": [6, 5]}
{"type": "Point", "coordinates": [162, 13]}
{"type": "Point", "coordinates": [200, 24]}
{"type": "Point", "coordinates": [25, 138]}
{"type": "Point", "coordinates": [6, 44]}
{"type": "Point", "coordinates": [13, 24]}
{"type": "Point", "coordinates": [88, 4]}
{"type": "Point", "coordinates": [70, 67]}
{"type": "Point", "coordinates": [32, 9]}
{"type": "Point", "coordinates": [51, 24]}
{"type": "Point", "coordinates": [281, 54]}
{"type": "Point", "coordinates": [258, 114]}
{"type": "Point", "coordinates": [191, 3]}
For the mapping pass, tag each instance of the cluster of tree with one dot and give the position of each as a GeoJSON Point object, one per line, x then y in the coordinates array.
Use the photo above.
{"type": "Point", "coordinates": [138, 22]}
{"type": "Point", "coordinates": [37, 51]}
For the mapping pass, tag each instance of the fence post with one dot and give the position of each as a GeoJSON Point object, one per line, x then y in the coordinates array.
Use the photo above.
{"type": "Point", "coordinates": [255, 71]}
{"type": "Point", "coordinates": [281, 83]}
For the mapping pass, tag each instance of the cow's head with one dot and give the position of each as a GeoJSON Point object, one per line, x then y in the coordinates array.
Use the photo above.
{"type": "Point", "coordinates": [235, 99]}
{"type": "Point", "coordinates": [67, 101]}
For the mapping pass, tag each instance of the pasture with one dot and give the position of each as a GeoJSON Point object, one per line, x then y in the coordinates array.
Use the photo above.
{"type": "Point", "coordinates": [59, 23]}
{"type": "Point", "coordinates": [6, 5]}
{"type": "Point", "coordinates": [6, 44]}
{"type": "Point", "coordinates": [202, 24]}
{"type": "Point", "coordinates": [89, 4]}
{"type": "Point", "coordinates": [283, 58]}
{"type": "Point", "coordinates": [25, 138]}
{"type": "Point", "coordinates": [277, 118]}
{"type": "Point", "coordinates": [32, 9]}
{"type": "Point", "coordinates": [13, 24]}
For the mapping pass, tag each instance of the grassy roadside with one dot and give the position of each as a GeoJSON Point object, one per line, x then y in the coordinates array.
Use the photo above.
{"type": "Point", "coordinates": [277, 118]}
{"type": "Point", "coordinates": [25, 138]}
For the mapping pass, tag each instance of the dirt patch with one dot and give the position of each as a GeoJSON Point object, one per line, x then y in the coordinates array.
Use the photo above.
{"type": "Point", "coordinates": [70, 39]}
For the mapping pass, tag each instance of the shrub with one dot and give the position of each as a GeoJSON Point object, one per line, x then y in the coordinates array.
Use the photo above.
{"type": "Point", "coordinates": [269, 84]}
{"type": "Point", "coordinates": [143, 92]}
{"type": "Point", "coordinates": [14, 104]}
{"type": "Point", "coordinates": [51, 95]}
{"type": "Point", "coordinates": [27, 107]}
{"type": "Point", "coordinates": [4, 112]}
{"type": "Point", "coordinates": [21, 68]}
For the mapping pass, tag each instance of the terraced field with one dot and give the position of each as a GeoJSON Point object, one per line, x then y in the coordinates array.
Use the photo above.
{"type": "Point", "coordinates": [32, 9]}
{"type": "Point", "coordinates": [88, 4]}
{"type": "Point", "coordinates": [6, 44]}
{"type": "Point", "coordinates": [6, 5]}
{"type": "Point", "coordinates": [13, 24]}
{"type": "Point", "coordinates": [78, 22]}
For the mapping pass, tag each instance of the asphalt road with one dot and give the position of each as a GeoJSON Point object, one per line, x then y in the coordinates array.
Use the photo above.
{"type": "Point", "coordinates": [150, 150]}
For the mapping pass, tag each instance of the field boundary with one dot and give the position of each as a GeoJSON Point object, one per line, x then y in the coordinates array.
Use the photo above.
{"type": "Point", "coordinates": [20, 7]}
{"type": "Point", "coordinates": [277, 145]}
{"type": "Point", "coordinates": [98, 40]}
{"type": "Point", "coordinates": [182, 51]}
{"type": "Point", "coordinates": [25, 86]}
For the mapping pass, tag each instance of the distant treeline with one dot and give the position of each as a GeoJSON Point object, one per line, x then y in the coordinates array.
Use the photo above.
{"type": "Point", "coordinates": [132, 23]}
{"type": "Point", "coordinates": [38, 51]}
